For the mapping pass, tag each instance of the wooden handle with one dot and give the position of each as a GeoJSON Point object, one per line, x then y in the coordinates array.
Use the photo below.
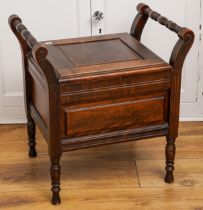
{"type": "Point", "coordinates": [31, 47]}
{"type": "Point", "coordinates": [178, 55]}
{"type": "Point", "coordinates": [27, 40]}
{"type": "Point", "coordinates": [146, 12]}
{"type": "Point", "coordinates": [186, 36]}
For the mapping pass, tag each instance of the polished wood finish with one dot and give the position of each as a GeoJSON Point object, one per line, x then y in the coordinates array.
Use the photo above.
{"type": "Point", "coordinates": [183, 45]}
{"type": "Point", "coordinates": [91, 91]}
{"type": "Point", "coordinates": [119, 176]}
{"type": "Point", "coordinates": [111, 118]}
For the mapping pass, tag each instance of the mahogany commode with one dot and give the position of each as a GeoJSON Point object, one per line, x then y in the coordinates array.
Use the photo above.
{"type": "Point", "coordinates": [92, 91]}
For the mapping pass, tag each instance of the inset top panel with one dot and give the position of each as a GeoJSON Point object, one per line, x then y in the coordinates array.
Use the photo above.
{"type": "Point", "coordinates": [98, 52]}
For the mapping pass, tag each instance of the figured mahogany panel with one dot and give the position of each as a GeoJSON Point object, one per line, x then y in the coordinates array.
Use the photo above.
{"type": "Point", "coordinates": [114, 116]}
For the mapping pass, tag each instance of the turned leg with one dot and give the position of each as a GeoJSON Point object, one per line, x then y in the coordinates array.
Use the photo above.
{"type": "Point", "coordinates": [170, 156]}
{"type": "Point", "coordinates": [55, 177]}
{"type": "Point", "coordinates": [31, 136]}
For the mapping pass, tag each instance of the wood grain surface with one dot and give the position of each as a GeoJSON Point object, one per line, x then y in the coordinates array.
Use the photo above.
{"type": "Point", "coordinates": [113, 111]}
{"type": "Point", "coordinates": [124, 176]}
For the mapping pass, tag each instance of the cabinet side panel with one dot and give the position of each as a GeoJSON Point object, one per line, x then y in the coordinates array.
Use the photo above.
{"type": "Point", "coordinates": [40, 97]}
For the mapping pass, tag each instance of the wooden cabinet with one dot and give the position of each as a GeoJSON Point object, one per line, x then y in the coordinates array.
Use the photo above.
{"type": "Point", "coordinates": [91, 91]}
{"type": "Point", "coordinates": [108, 84]}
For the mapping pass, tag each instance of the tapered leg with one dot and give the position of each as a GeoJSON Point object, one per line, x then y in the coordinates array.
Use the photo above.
{"type": "Point", "coordinates": [55, 177]}
{"type": "Point", "coordinates": [170, 156]}
{"type": "Point", "coordinates": [31, 130]}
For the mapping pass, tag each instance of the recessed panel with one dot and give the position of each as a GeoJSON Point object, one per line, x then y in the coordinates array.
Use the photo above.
{"type": "Point", "coordinates": [98, 52]}
{"type": "Point", "coordinates": [112, 117]}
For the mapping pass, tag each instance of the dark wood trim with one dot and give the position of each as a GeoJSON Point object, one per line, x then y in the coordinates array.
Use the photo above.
{"type": "Point", "coordinates": [114, 137]}
{"type": "Point", "coordinates": [32, 48]}
{"type": "Point", "coordinates": [124, 93]}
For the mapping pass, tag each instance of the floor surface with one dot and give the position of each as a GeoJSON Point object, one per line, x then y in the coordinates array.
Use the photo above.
{"type": "Point", "coordinates": [127, 176]}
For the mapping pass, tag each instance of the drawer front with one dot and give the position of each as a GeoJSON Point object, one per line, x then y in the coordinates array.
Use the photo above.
{"type": "Point", "coordinates": [102, 118]}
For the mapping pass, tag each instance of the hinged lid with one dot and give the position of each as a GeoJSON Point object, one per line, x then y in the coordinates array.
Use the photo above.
{"type": "Point", "coordinates": [98, 56]}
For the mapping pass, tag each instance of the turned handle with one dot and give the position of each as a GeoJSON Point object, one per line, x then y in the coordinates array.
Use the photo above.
{"type": "Point", "coordinates": [26, 39]}
{"type": "Point", "coordinates": [146, 12]}
{"type": "Point", "coordinates": [186, 36]}
{"type": "Point", "coordinates": [30, 46]}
